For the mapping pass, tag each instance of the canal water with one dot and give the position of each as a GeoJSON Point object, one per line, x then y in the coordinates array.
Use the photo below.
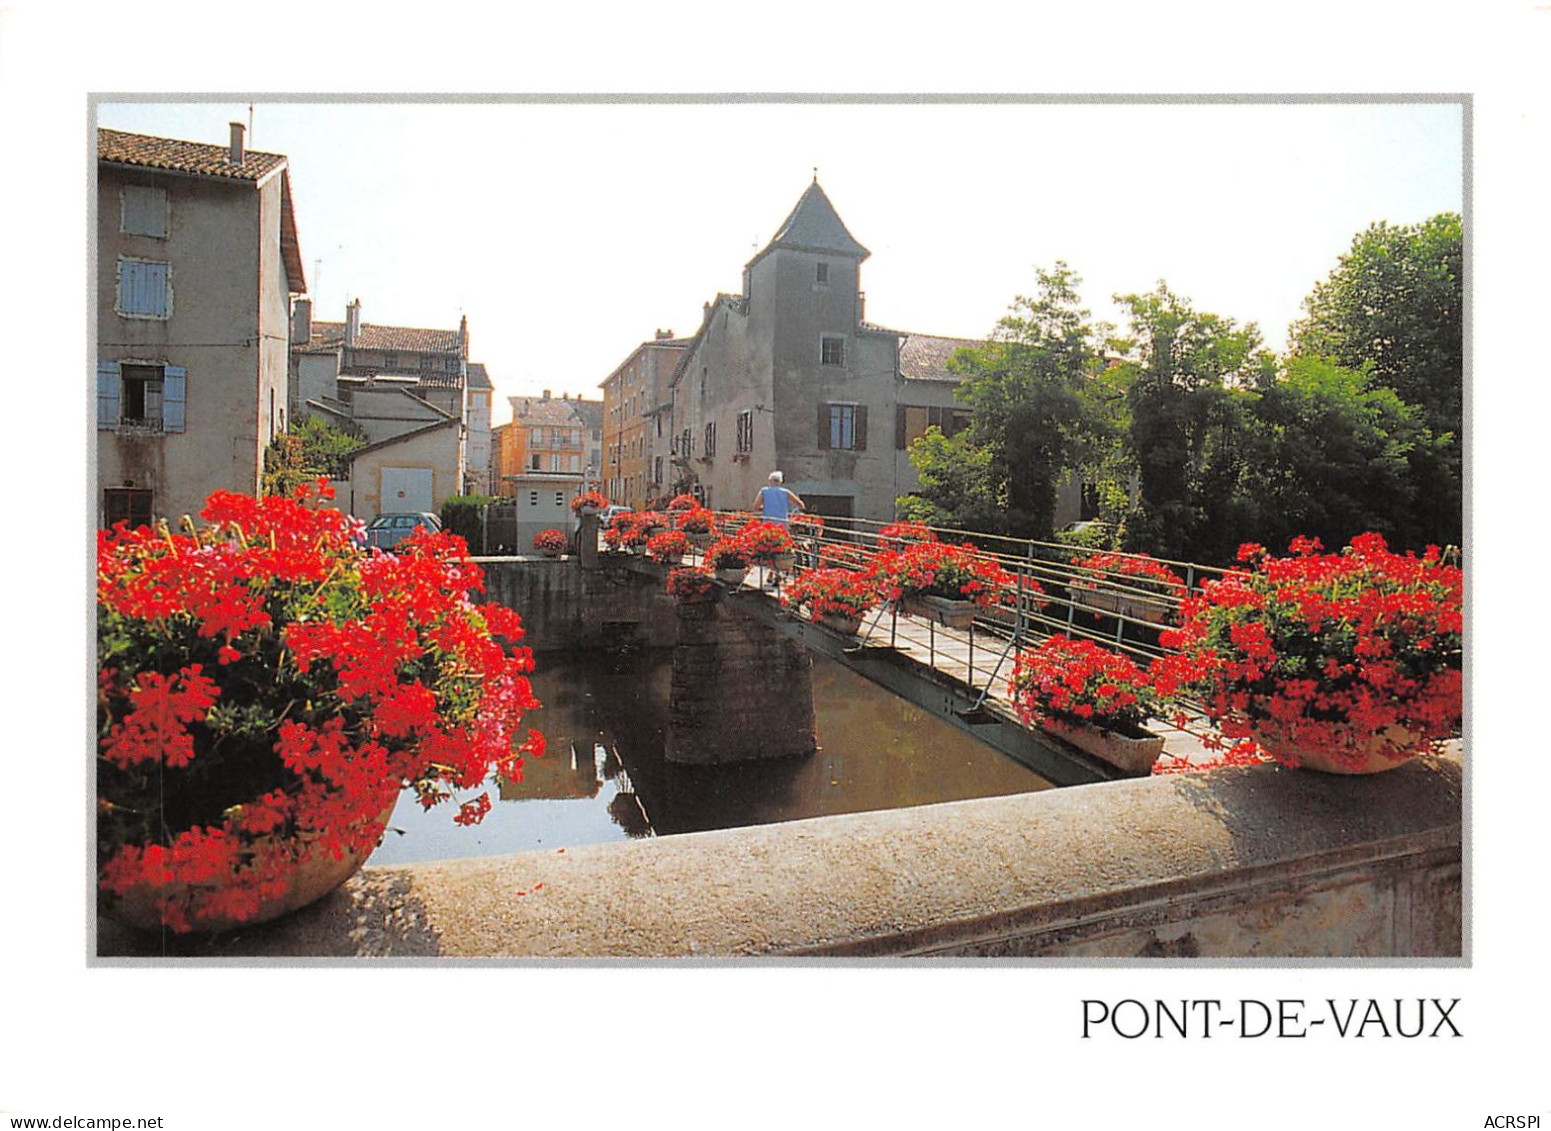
{"type": "Point", "coordinates": [604, 777]}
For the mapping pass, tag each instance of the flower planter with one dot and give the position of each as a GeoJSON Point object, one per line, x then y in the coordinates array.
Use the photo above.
{"type": "Point", "coordinates": [1133, 754]}
{"type": "Point", "coordinates": [1124, 605]}
{"type": "Point", "coordinates": [550, 553]}
{"type": "Point", "coordinates": [732, 576]}
{"type": "Point", "coordinates": [1365, 758]}
{"type": "Point", "coordinates": [308, 882]}
{"type": "Point", "coordinates": [843, 626]}
{"type": "Point", "coordinates": [946, 611]}
{"type": "Point", "coordinates": [700, 541]}
{"type": "Point", "coordinates": [587, 512]}
{"type": "Point", "coordinates": [784, 562]}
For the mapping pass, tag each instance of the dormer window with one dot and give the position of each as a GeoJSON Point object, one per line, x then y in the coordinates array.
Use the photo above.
{"type": "Point", "coordinates": [822, 275]}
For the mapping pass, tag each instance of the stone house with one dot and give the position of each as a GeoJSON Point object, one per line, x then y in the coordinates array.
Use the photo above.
{"type": "Point", "coordinates": [637, 421]}
{"type": "Point", "coordinates": [789, 375]}
{"type": "Point", "coordinates": [340, 369]}
{"type": "Point", "coordinates": [506, 456]}
{"type": "Point", "coordinates": [197, 264]}
{"type": "Point", "coordinates": [558, 434]}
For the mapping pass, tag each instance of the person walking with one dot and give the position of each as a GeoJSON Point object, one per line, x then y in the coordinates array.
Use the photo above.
{"type": "Point", "coordinates": [775, 503]}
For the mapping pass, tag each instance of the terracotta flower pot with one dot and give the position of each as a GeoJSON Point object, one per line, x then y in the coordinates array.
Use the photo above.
{"type": "Point", "coordinates": [1370, 757]}
{"type": "Point", "coordinates": [309, 882]}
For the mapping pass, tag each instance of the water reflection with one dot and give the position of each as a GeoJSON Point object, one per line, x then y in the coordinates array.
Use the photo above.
{"type": "Point", "coordinates": [605, 778]}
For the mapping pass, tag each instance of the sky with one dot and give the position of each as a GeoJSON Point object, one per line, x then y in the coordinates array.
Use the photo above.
{"type": "Point", "coordinates": [568, 233]}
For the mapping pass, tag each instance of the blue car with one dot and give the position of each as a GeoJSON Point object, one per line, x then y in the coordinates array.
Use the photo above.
{"type": "Point", "coordinates": [388, 530]}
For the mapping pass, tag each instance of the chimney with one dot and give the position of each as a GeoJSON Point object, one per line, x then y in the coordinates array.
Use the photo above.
{"type": "Point", "coordinates": [301, 322]}
{"type": "Point", "coordinates": [238, 133]}
{"type": "Point", "coordinates": [463, 338]}
{"type": "Point", "coordinates": [546, 394]}
{"type": "Point", "coordinates": [664, 335]}
{"type": "Point", "coordinates": [352, 322]}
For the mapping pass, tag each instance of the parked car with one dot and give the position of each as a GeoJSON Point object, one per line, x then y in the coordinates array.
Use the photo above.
{"type": "Point", "coordinates": [611, 510]}
{"type": "Point", "coordinates": [388, 530]}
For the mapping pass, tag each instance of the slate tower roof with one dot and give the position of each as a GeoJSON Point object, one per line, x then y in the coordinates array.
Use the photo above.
{"type": "Point", "coordinates": [814, 225]}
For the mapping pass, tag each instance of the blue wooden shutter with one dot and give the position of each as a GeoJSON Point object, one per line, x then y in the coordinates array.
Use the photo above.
{"type": "Point", "coordinates": [174, 396]}
{"type": "Point", "coordinates": [142, 288]}
{"type": "Point", "coordinates": [107, 394]}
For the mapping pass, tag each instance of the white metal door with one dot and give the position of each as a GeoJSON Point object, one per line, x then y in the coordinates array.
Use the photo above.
{"type": "Point", "coordinates": [406, 489]}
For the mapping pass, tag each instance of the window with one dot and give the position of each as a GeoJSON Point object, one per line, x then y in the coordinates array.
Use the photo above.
{"type": "Point", "coordinates": [137, 397]}
{"type": "Point", "coordinates": [427, 362]}
{"type": "Point", "coordinates": [535, 467]}
{"type": "Point", "coordinates": [822, 274]}
{"type": "Point", "coordinates": [832, 350]}
{"type": "Point", "coordinates": [559, 498]}
{"type": "Point", "coordinates": [746, 432]}
{"type": "Point", "coordinates": [710, 439]}
{"type": "Point", "coordinates": [144, 212]}
{"type": "Point", "coordinates": [390, 360]}
{"type": "Point", "coordinates": [686, 443]}
{"type": "Point", "coordinates": [843, 427]}
{"type": "Point", "coordinates": [533, 498]}
{"type": "Point", "coordinates": [142, 289]}
{"type": "Point", "coordinates": [657, 469]}
{"type": "Point", "coordinates": [912, 421]}
{"type": "Point", "coordinates": [126, 504]}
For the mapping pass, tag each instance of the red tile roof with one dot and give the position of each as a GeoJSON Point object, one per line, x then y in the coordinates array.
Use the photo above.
{"type": "Point", "coordinates": [551, 411]}
{"type": "Point", "coordinates": [406, 338]}
{"type": "Point", "coordinates": [923, 357]}
{"type": "Point", "coordinates": [184, 156]}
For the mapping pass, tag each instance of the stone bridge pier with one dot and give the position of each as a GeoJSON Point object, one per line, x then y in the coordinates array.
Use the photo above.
{"type": "Point", "coordinates": [741, 690]}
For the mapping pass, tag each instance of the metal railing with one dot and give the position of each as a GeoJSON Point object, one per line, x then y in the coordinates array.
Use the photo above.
{"type": "Point", "coordinates": [1105, 604]}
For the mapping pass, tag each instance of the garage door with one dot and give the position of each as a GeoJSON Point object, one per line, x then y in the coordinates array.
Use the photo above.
{"type": "Point", "coordinates": [406, 489]}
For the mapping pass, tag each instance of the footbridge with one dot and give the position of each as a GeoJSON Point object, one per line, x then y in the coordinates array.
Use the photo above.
{"type": "Point", "coordinates": [749, 647]}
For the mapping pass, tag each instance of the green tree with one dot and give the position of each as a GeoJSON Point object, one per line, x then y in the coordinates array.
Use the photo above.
{"type": "Point", "coordinates": [958, 490]}
{"type": "Point", "coordinates": [310, 448]}
{"type": "Point", "coordinates": [1191, 382]}
{"type": "Point", "coordinates": [1395, 301]}
{"type": "Point", "coordinates": [1035, 415]}
{"type": "Point", "coordinates": [1342, 455]}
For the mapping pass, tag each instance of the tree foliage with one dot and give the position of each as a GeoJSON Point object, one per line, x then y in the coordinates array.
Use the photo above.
{"type": "Point", "coordinates": [1340, 456]}
{"type": "Point", "coordinates": [1200, 439]}
{"type": "Point", "coordinates": [1395, 302]}
{"type": "Point", "coordinates": [1190, 378]}
{"type": "Point", "coordinates": [310, 448]}
{"type": "Point", "coordinates": [1035, 416]}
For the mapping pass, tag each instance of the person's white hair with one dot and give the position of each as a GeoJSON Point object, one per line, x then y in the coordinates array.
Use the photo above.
{"type": "Point", "coordinates": [776, 477]}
